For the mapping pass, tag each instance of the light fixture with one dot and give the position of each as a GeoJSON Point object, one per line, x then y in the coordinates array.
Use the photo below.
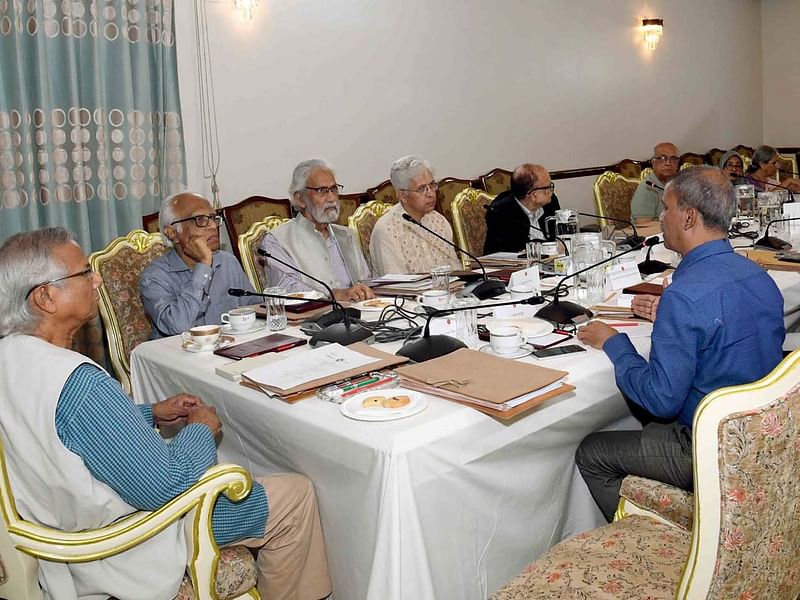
{"type": "Point", "coordinates": [246, 8]}
{"type": "Point", "coordinates": [652, 30]}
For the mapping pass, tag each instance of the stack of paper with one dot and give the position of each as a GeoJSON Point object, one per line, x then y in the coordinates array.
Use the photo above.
{"type": "Point", "coordinates": [497, 386]}
{"type": "Point", "coordinates": [503, 259]}
{"type": "Point", "coordinates": [616, 306]}
{"type": "Point", "coordinates": [413, 288]}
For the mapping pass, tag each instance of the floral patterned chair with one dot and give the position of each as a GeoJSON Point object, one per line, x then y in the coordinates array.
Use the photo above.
{"type": "Point", "coordinates": [449, 187]}
{"type": "Point", "coordinates": [239, 217]}
{"type": "Point", "coordinates": [126, 324]}
{"type": "Point", "coordinates": [496, 181]}
{"type": "Point", "coordinates": [787, 166]}
{"type": "Point", "coordinates": [745, 534]}
{"type": "Point", "coordinates": [714, 155]}
{"type": "Point", "coordinates": [383, 192]}
{"type": "Point", "coordinates": [151, 223]}
{"type": "Point", "coordinates": [363, 222]}
{"type": "Point", "coordinates": [230, 572]}
{"type": "Point", "coordinates": [692, 158]}
{"type": "Point", "coordinates": [249, 242]}
{"type": "Point", "coordinates": [627, 167]}
{"type": "Point", "coordinates": [348, 205]}
{"type": "Point", "coordinates": [613, 194]}
{"type": "Point", "coordinates": [469, 221]}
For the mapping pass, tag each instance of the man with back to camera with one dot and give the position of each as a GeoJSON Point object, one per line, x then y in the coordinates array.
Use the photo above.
{"type": "Point", "coordinates": [719, 323]}
{"type": "Point", "coordinates": [646, 204]}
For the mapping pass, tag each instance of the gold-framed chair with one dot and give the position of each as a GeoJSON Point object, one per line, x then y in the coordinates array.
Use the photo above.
{"type": "Point", "coordinates": [363, 222]}
{"type": "Point", "coordinates": [239, 217]}
{"type": "Point", "coordinates": [249, 242]}
{"type": "Point", "coordinates": [449, 187]}
{"type": "Point", "coordinates": [121, 264]}
{"type": "Point", "coordinates": [211, 572]}
{"type": "Point", "coordinates": [714, 155]}
{"type": "Point", "coordinates": [151, 223]}
{"type": "Point", "coordinates": [383, 192]}
{"type": "Point", "coordinates": [348, 205]}
{"type": "Point", "coordinates": [693, 159]}
{"type": "Point", "coordinates": [744, 151]}
{"type": "Point", "coordinates": [469, 221]}
{"type": "Point", "coordinates": [787, 166]}
{"type": "Point", "coordinates": [744, 537]}
{"type": "Point", "coordinates": [645, 173]}
{"type": "Point", "coordinates": [496, 181]}
{"type": "Point", "coordinates": [630, 168]}
{"type": "Point", "coordinates": [613, 193]}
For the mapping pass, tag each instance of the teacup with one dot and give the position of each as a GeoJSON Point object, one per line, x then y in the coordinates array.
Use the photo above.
{"type": "Point", "coordinates": [202, 336]}
{"type": "Point", "coordinates": [505, 339]}
{"type": "Point", "coordinates": [521, 292]}
{"type": "Point", "coordinates": [240, 319]}
{"type": "Point", "coordinates": [434, 298]}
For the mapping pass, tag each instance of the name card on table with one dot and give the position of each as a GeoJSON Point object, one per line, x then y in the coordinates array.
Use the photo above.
{"type": "Point", "coordinates": [526, 278]}
{"type": "Point", "coordinates": [515, 311]}
{"type": "Point", "coordinates": [444, 326]}
{"type": "Point", "coordinates": [790, 211]}
{"type": "Point", "coordinates": [622, 276]}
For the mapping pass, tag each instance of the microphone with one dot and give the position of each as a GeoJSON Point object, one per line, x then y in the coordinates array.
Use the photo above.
{"type": "Point", "coordinates": [489, 288]}
{"type": "Point", "coordinates": [653, 185]}
{"type": "Point", "coordinates": [648, 266]}
{"type": "Point", "coordinates": [432, 346]}
{"type": "Point", "coordinates": [344, 333]}
{"type": "Point", "coordinates": [632, 240]}
{"type": "Point", "coordinates": [547, 236]}
{"type": "Point", "coordinates": [777, 185]}
{"type": "Point", "coordinates": [775, 243]}
{"type": "Point", "coordinates": [566, 312]}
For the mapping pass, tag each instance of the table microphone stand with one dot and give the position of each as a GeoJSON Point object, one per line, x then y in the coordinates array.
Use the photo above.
{"type": "Point", "coordinates": [775, 243]}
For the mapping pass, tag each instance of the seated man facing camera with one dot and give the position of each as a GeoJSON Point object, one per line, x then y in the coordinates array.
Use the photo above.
{"type": "Point", "coordinates": [81, 455]}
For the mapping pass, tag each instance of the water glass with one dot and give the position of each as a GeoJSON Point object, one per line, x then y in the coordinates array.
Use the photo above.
{"type": "Point", "coordinates": [745, 199]}
{"type": "Point", "coordinates": [467, 320]}
{"type": "Point", "coordinates": [533, 253]}
{"type": "Point", "coordinates": [276, 309]}
{"type": "Point", "coordinates": [440, 279]}
{"type": "Point", "coordinates": [769, 209]}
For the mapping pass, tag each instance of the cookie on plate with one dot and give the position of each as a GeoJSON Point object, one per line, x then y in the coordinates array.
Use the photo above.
{"type": "Point", "coordinates": [396, 402]}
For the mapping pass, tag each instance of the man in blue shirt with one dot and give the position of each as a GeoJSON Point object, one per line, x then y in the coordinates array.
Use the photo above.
{"type": "Point", "coordinates": [719, 323]}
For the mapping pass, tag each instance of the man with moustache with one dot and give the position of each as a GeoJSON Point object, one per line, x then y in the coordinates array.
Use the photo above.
{"type": "Point", "coordinates": [646, 204]}
{"type": "Point", "coordinates": [313, 241]}
{"type": "Point", "coordinates": [188, 286]}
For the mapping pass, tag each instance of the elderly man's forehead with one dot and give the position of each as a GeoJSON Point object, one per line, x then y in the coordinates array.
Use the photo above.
{"type": "Point", "coordinates": [192, 204]}
{"type": "Point", "coordinates": [318, 173]}
{"type": "Point", "coordinates": [666, 147]}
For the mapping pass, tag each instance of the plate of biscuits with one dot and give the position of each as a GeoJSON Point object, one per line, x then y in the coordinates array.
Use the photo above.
{"type": "Point", "coordinates": [383, 405]}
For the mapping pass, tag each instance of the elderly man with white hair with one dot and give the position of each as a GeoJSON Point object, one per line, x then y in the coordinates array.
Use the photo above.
{"type": "Point", "coordinates": [188, 286]}
{"type": "Point", "coordinates": [398, 246]}
{"type": "Point", "coordinates": [313, 242]}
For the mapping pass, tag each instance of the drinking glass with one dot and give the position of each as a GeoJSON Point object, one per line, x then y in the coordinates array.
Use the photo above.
{"type": "Point", "coordinates": [276, 309]}
{"type": "Point", "coordinates": [467, 320]}
{"type": "Point", "coordinates": [440, 279]}
{"type": "Point", "coordinates": [533, 253]}
{"type": "Point", "coordinates": [745, 199]}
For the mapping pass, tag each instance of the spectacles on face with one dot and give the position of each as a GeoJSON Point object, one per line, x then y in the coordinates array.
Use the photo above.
{"type": "Point", "coordinates": [666, 158]}
{"type": "Point", "coordinates": [85, 273]}
{"type": "Point", "coordinates": [774, 162]}
{"type": "Point", "coordinates": [201, 221]}
{"type": "Point", "coordinates": [550, 186]}
{"type": "Point", "coordinates": [325, 190]}
{"type": "Point", "coordinates": [424, 189]}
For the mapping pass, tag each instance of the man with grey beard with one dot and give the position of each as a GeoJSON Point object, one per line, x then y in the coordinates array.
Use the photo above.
{"type": "Point", "coordinates": [313, 241]}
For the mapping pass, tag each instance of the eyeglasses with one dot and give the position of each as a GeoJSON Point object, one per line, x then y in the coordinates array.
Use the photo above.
{"type": "Point", "coordinates": [424, 189]}
{"type": "Point", "coordinates": [201, 220]}
{"type": "Point", "coordinates": [323, 191]}
{"type": "Point", "coordinates": [665, 158]}
{"type": "Point", "coordinates": [86, 272]}
{"type": "Point", "coordinates": [774, 162]}
{"type": "Point", "coordinates": [551, 186]}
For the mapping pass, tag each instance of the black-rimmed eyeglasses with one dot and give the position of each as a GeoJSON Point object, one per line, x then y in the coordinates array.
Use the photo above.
{"type": "Point", "coordinates": [332, 189]}
{"type": "Point", "coordinates": [201, 221]}
{"type": "Point", "coordinates": [86, 272]}
{"type": "Point", "coordinates": [551, 186]}
{"type": "Point", "coordinates": [666, 158]}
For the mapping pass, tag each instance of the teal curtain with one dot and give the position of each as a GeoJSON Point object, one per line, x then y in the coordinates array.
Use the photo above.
{"type": "Point", "coordinates": [91, 136]}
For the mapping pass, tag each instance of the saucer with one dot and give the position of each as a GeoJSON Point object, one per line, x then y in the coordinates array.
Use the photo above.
{"type": "Point", "coordinates": [521, 352]}
{"type": "Point", "coordinates": [259, 325]}
{"type": "Point", "coordinates": [222, 341]}
{"type": "Point", "coordinates": [303, 297]}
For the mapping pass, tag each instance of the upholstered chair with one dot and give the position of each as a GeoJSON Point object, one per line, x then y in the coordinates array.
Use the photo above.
{"type": "Point", "coordinates": [239, 217]}
{"type": "Point", "coordinates": [787, 166]}
{"type": "Point", "coordinates": [230, 572]}
{"type": "Point", "coordinates": [121, 264]}
{"type": "Point", "coordinates": [150, 223]}
{"type": "Point", "coordinates": [363, 222]}
{"type": "Point", "coordinates": [469, 221]}
{"type": "Point", "coordinates": [714, 155]}
{"type": "Point", "coordinates": [613, 194]}
{"type": "Point", "coordinates": [383, 192]}
{"type": "Point", "coordinates": [348, 204]}
{"type": "Point", "coordinates": [744, 537]}
{"type": "Point", "coordinates": [449, 187]}
{"type": "Point", "coordinates": [249, 242]}
{"type": "Point", "coordinates": [692, 158]}
{"type": "Point", "coordinates": [645, 173]}
{"type": "Point", "coordinates": [496, 181]}
{"type": "Point", "coordinates": [627, 167]}
{"type": "Point", "coordinates": [744, 151]}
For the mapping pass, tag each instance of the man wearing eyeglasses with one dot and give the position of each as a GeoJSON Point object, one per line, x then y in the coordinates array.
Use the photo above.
{"type": "Point", "coordinates": [646, 205]}
{"type": "Point", "coordinates": [313, 242]}
{"type": "Point", "coordinates": [188, 286]}
{"type": "Point", "coordinates": [518, 215]}
{"type": "Point", "coordinates": [398, 246]}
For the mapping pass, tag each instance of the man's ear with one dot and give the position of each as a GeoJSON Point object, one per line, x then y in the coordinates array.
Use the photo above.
{"type": "Point", "coordinates": [299, 201]}
{"type": "Point", "coordinates": [692, 218]}
{"type": "Point", "coordinates": [43, 300]}
{"type": "Point", "coordinates": [171, 233]}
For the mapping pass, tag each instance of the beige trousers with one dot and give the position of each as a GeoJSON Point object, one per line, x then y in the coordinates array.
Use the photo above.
{"type": "Point", "coordinates": [291, 559]}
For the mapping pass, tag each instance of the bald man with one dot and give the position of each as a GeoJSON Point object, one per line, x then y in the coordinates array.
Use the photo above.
{"type": "Point", "coordinates": [646, 205]}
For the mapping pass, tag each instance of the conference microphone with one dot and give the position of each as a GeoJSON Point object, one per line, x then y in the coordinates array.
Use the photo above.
{"type": "Point", "coordinates": [653, 185]}
{"type": "Point", "coordinates": [649, 266]}
{"type": "Point", "coordinates": [567, 312]}
{"type": "Point", "coordinates": [770, 183]}
{"type": "Point", "coordinates": [631, 240]}
{"type": "Point", "coordinates": [547, 236]}
{"type": "Point", "coordinates": [344, 333]}
{"type": "Point", "coordinates": [775, 243]}
{"type": "Point", "coordinates": [489, 288]}
{"type": "Point", "coordinates": [432, 346]}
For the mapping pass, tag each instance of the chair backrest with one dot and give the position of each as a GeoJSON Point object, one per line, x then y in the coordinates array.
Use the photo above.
{"type": "Point", "coordinates": [469, 221]}
{"type": "Point", "coordinates": [348, 205]}
{"type": "Point", "coordinates": [249, 242]}
{"type": "Point", "coordinates": [363, 222]}
{"type": "Point", "coordinates": [150, 223]}
{"type": "Point", "coordinates": [613, 194]}
{"type": "Point", "coordinates": [714, 155]}
{"type": "Point", "coordinates": [787, 166]}
{"type": "Point", "coordinates": [744, 151]}
{"type": "Point", "coordinates": [121, 264]}
{"type": "Point", "coordinates": [627, 167]}
{"type": "Point", "coordinates": [239, 217]}
{"type": "Point", "coordinates": [645, 173]}
{"type": "Point", "coordinates": [449, 187]}
{"type": "Point", "coordinates": [383, 192]}
{"type": "Point", "coordinates": [691, 158]}
{"type": "Point", "coordinates": [496, 181]}
{"type": "Point", "coordinates": [746, 534]}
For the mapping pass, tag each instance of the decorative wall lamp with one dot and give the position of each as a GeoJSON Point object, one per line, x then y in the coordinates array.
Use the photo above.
{"type": "Point", "coordinates": [246, 8]}
{"type": "Point", "coordinates": [651, 31]}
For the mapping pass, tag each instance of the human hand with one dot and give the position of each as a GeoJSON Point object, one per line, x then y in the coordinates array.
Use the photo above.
{"type": "Point", "coordinates": [595, 334]}
{"type": "Point", "coordinates": [205, 415]}
{"type": "Point", "coordinates": [357, 293]}
{"type": "Point", "coordinates": [197, 249]}
{"type": "Point", "coordinates": [645, 306]}
{"type": "Point", "coordinates": [174, 409]}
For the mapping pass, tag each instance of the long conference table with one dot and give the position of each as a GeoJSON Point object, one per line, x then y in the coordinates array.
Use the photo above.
{"type": "Point", "coordinates": [448, 503]}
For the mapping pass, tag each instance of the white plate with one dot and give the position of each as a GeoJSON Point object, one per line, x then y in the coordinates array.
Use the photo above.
{"type": "Point", "coordinates": [531, 328]}
{"type": "Point", "coordinates": [222, 341]}
{"type": "Point", "coordinates": [521, 352]}
{"type": "Point", "coordinates": [376, 304]}
{"type": "Point", "coordinates": [258, 326]}
{"type": "Point", "coordinates": [304, 297]}
{"type": "Point", "coordinates": [352, 406]}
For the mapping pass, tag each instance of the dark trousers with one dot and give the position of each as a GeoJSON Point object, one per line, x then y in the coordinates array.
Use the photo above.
{"type": "Point", "coordinates": [659, 451]}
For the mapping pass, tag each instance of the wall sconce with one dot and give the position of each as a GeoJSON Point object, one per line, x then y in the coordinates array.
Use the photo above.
{"type": "Point", "coordinates": [246, 8]}
{"type": "Point", "coordinates": [651, 31]}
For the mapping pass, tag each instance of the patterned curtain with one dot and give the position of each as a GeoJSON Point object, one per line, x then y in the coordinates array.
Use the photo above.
{"type": "Point", "coordinates": [90, 126]}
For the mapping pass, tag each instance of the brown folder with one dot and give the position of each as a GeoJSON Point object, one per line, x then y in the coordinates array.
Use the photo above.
{"type": "Point", "coordinates": [653, 289]}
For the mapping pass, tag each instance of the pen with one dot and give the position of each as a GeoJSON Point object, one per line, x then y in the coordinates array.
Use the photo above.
{"type": "Point", "coordinates": [366, 385]}
{"type": "Point", "coordinates": [359, 383]}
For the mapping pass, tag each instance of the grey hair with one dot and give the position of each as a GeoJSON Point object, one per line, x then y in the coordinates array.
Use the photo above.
{"type": "Point", "coordinates": [403, 169]}
{"type": "Point", "coordinates": [300, 177]}
{"type": "Point", "coordinates": [26, 261]}
{"type": "Point", "coordinates": [762, 155]}
{"type": "Point", "coordinates": [655, 148]}
{"type": "Point", "coordinates": [166, 215]}
{"type": "Point", "coordinates": [709, 191]}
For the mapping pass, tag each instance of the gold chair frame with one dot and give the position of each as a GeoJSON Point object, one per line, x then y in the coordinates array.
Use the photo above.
{"type": "Point", "coordinates": [140, 242]}
{"type": "Point", "coordinates": [645, 172]}
{"type": "Point", "coordinates": [611, 177]}
{"type": "Point", "coordinates": [373, 209]}
{"type": "Point", "coordinates": [250, 263]}
{"type": "Point", "coordinates": [471, 196]}
{"type": "Point", "coordinates": [383, 192]}
{"type": "Point", "coordinates": [792, 164]}
{"type": "Point", "coordinates": [496, 181]}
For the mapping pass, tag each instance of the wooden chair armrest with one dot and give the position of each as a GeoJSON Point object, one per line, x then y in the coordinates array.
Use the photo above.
{"type": "Point", "coordinates": [661, 501]}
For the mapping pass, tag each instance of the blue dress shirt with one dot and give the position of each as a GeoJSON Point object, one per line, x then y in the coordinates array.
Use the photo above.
{"type": "Point", "coordinates": [719, 323]}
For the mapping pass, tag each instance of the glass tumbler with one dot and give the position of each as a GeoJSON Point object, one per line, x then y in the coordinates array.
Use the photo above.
{"type": "Point", "coordinates": [467, 320]}
{"type": "Point", "coordinates": [276, 309]}
{"type": "Point", "coordinates": [440, 279]}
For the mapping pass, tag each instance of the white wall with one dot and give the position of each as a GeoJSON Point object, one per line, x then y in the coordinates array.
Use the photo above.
{"type": "Point", "coordinates": [780, 26]}
{"type": "Point", "coordinates": [469, 84]}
